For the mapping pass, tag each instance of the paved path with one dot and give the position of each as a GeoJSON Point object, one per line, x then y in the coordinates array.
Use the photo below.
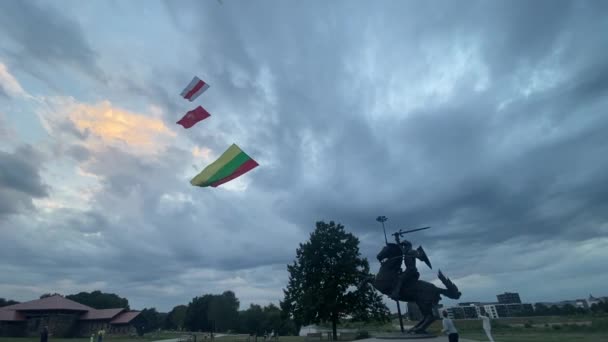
{"type": "Point", "coordinates": [169, 340]}
{"type": "Point", "coordinates": [436, 339]}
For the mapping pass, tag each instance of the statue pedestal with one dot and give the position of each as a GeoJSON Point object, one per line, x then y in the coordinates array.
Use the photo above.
{"type": "Point", "coordinates": [405, 336]}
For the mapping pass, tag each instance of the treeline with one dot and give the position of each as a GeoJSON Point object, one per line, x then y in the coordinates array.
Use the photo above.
{"type": "Point", "coordinates": [218, 313]}
{"type": "Point", "coordinates": [569, 309]}
{"type": "Point", "coordinates": [209, 312]}
{"type": "Point", "coordinates": [7, 302]}
{"type": "Point", "coordinates": [95, 299]}
{"type": "Point", "coordinates": [221, 313]}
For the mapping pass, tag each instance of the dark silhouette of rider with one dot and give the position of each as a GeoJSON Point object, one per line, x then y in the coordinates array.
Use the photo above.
{"type": "Point", "coordinates": [411, 275]}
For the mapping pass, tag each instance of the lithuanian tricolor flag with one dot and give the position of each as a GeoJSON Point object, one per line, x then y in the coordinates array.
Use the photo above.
{"type": "Point", "coordinates": [230, 165]}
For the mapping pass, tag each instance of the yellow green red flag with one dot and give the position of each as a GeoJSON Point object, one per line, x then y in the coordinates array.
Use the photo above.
{"type": "Point", "coordinates": [230, 165]}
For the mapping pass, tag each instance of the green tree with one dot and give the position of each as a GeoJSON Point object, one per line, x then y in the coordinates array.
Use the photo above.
{"type": "Point", "coordinates": [46, 295]}
{"type": "Point", "coordinates": [100, 300]}
{"type": "Point", "coordinates": [175, 318]}
{"type": "Point", "coordinates": [148, 320]}
{"type": "Point", "coordinates": [252, 320]}
{"type": "Point", "coordinates": [541, 309]}
{"type": "Point", "coordinates": [197, 318]}
{"type": "Point", "coordinates": [599, 307]}
{"type": "Point", "coordinates": [555, 310]}
{"type": "Point", "coordinates": [258, 320]}
{"type": "Point", "coordinates": [568, 309]}
{"type": "Point", "coordinates": [329, 280]}
{"type": "Point", "coordinates": [7, 302]}
{"type": "Point", "coordinates": [275, 320]}
{"type": "Point", "coordinates": [223, 312]}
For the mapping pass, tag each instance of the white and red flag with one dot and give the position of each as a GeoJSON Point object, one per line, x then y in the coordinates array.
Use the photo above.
{"type": "Point", "coordinates": [194, 89]}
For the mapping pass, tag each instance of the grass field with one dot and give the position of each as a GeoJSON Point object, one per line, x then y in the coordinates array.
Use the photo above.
{"type": "Point", "coordinates": [519, 336]}
{"type": "Point", "coordinates": [512, 330]}
{"type": "Point", "coordinates": [503, 330]}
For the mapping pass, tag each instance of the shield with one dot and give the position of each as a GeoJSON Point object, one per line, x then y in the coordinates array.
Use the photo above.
{"type": "Point", "coordinates": [422, 257]}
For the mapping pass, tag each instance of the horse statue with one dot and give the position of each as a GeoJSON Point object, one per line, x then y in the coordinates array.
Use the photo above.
{"type": "Point", "coordinates": [406, 287]}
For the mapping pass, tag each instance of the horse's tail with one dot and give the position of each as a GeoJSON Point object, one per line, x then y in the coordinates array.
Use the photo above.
{"type": "Point", "coordinates": [451, 290]}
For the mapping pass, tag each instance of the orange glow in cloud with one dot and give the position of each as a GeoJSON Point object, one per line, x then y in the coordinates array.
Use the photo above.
{"type": "Point", "coordinates": [112, 124]}
{"type": "Point", "coordinates": [105, 125]}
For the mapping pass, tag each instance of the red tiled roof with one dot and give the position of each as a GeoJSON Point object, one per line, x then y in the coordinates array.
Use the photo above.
{"type": "Point", "coordinates": [101, 314]}
{"type": "Point", "coordinates": [11, 315]}
{"type": "Point", "coordinates": [125, 317]}
{"type": "Point", "coordinates": [49, 303]}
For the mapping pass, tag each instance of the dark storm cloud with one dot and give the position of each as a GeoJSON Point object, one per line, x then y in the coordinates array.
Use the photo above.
{"type": "Point", "coordinates": [454, 143]}
{"type": "Point", "coordinates": [20, 179]}
{"type": "Point", "coordinates": [38, 36]}
{"type": "Point", "coordinates": [79, 153]}
{"type": "Point", "coordinates": [156, 230]}
{"type": "Point", "coordinates": [347, 109]}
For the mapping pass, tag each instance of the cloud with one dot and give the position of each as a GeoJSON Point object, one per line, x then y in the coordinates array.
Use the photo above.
{"type": "Point", "coordinates": [20, 180]}
{"type": "Point", "coordinates": [7, 133]}
{"type": "Point", "coordinates": [487, 125]}
{"type": "Point", "coordinates": [38, 37]}
{"type": "Point", "coordinates": [9, 84]}
{"type": "Point", "coordinates": [102, 124]}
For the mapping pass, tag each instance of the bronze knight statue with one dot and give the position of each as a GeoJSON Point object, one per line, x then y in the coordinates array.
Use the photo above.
{"type": "Point", "coordinates": [411, 274]}
{"type": "Point", "coordinates": [405, 285]}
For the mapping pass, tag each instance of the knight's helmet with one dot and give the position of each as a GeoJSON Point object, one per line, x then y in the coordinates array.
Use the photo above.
{"type": "Point", "coordinates": [406, 245]}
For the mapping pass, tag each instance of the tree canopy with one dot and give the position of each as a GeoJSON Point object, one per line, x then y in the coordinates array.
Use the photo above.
{"type": "Point", "coordinates": [7, 302]}
{"type": "Point", "coordinates": [329, 280]}
{"type": "Point", "coordinates": [46, 295]}
{"type": "Point", "coordinates": [100, 300]}
{"type": "Point", "coordinates": [212, 312]}
{"type": "Point", "coordinates": [148, 320]}
{"type": "Point", "coordinates": [175, 318]}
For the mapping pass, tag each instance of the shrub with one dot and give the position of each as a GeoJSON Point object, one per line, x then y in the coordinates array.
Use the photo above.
{"type": "Point", "coordinates": [362, 334]}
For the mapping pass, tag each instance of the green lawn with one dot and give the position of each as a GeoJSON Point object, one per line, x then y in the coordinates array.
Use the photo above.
{"type": "Point", "coordinates": [503, 336]}
{"type": "Point", "coordinates": [502, 330]}
{"type": "Point", "coordinates": [145, 338]}
{"type": "Point", "coordinates": [549, 336]}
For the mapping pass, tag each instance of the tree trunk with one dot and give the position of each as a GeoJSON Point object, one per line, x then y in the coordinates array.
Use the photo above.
{"type": "Point", "coordinates": [334, 324]}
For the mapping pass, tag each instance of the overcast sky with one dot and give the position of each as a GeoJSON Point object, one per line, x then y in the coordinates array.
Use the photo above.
{"type": "Point", "coordinates": [486, 120]}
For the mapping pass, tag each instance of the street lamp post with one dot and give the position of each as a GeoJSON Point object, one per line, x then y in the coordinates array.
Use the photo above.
{"type": "Point", "coordinates": [383, 219]}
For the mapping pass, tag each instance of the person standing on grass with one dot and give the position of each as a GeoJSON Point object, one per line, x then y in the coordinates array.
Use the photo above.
{"type": "Point", "coordinates": [44, 334]}
{"type": "Point", "coordinates": [486, 326]}
{"type": "Point", "coordinates": [449, 328]}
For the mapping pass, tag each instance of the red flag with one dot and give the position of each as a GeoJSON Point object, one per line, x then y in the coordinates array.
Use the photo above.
{"type": "Point", "coordinates": [192, 117]}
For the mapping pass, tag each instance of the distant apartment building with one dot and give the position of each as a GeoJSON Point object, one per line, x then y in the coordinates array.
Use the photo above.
{"type": "Point", "coordinates": [508, 298]}
{"type": "Point", "coordinates": [510, 305]}
{"type": "Point", "coordinates": [472, 310]}
{"type": "Point", "coordinates": [455, 312]}
{"type": "Point", "coordinates": [577, 303]}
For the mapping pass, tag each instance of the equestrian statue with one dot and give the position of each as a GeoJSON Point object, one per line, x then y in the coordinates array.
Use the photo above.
{"type": "Point", "coordinates": [405, 285]}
